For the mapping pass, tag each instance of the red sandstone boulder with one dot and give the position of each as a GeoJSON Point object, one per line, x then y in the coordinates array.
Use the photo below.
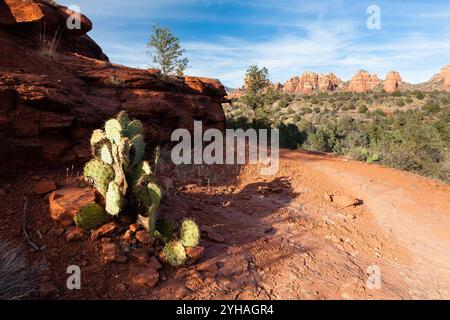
{"type": "Point", "coordinates": [18, 11]}
{"type": "Point", "coordinates": [65, 204]}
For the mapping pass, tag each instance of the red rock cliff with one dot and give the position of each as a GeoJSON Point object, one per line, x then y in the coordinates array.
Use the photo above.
{"type": "Point", "coordinates": [363, 81]}
{"type": "Point", "coordinates": [311, 82]}
{"type": "Point", "coordinates": [50, 105]}
{"type": "Point", "coordinates": [445, 76]}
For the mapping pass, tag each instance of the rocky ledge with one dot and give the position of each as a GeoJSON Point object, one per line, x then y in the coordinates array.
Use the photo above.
{"type": "Point", "coordinates": [49, 104]}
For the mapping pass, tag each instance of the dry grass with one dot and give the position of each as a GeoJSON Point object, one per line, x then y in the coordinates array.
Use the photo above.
{"type": "Point", "coordinates": [47, 43]}
{"type": "Point", "coordinates": [16, 276]}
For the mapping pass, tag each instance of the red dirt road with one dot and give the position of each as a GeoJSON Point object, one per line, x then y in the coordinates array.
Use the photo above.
{"type": "Point", "coordinates": [415, 211]}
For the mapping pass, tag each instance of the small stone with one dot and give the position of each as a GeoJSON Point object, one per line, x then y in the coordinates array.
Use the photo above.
{"type": "Point", "coordinates": [135, 227]}
{"type": "Point", "coordinates": [213, 235]}
{"type": "Point", "coordinates": [59, 231]}
{"type": "Point", "coordinates": [122, 259]}
{"type": "Point", "coordinates": [110, 251]}
{"type": "Point", "coordinates": [154, 263]}
{"type": "Point", "coordinates": [144, 277]}
{"type": "Point", "coordinates": [44, 187]}
{"type": "Point", "coordinates": [209, 266]}
{"type": "Point", "coordinates": [195, 253]}
{"type": "Point", "coordinates": [140, 255]}
{"type": "Point", "coordinates": [74, 234]}
{"type": "Point", "coordinates": [143, 236]}
{"type": "Point", "coordinates": [327, 197]}
{"type": "Point", "coordinates": [345, 201]}
{"type": "Point", "coordinates": [127, 235]}
{"type": "Point", "coordinates": [104, 230]}
{"type": "Point", "coordinates": [181, 292]}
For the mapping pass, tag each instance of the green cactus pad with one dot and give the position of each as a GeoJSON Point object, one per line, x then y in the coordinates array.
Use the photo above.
{"type": "Point", "coordinates": [135, 128]}
{"type": "Point", "coordinates": [113, 130]}
{"type": "Point", "coordinates": [114, 199]}
{"type": "Point", "coordinates": [163, 229]}
{"type": "Point", "coordinates": [99, 174]}
{"type": "Point", "coordinates": [190, 233]}
{"type": "Point", "coordinates": [91, 217]}
{"type": "Point", "coordinates": [174, 253]}
{"type": "Point", "coordinates": [105, 154]}
{"type": "Point", "coordinates": [138, 144]}
{"type": "Point", "coordinates": [141, 170]}
{"type": "Point", "coordinates": [123, 153]}
{"type": "Point", "coordinates": [123, 119]}
{"type": "Point", "coordinates": [98, 139]}
{"type": "Point", "coordinates": [155, 193]}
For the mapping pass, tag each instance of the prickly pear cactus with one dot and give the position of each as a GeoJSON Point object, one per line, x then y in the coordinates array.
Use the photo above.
{"type": "Point", "coordinates": [127, 183]}
{"type": "Point", "coordinates": [118, 170]}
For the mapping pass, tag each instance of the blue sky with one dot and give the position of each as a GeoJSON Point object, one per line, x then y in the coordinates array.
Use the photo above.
{"type": "Point", "coordinates": [223, 37]}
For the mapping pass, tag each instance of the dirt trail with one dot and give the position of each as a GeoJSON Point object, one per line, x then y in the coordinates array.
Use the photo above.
{"type": "Point", "coordinates": [414, 210]}
{"type": "Point", "coordinates": [265, 237]}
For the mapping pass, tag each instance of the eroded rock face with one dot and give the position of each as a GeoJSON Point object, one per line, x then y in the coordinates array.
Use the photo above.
{"type": "Point", "coordinates": [18, 11]}
{"type": "Point", "coordinates": [311, 82]}
{"type": "Point", "coordinates": [49, 106]}
{"type": "Point", "coordinates": [392, 82]}
{"type": "Point", "coordinates": [445, 75]}
{"type": "Point", "coordinates": [363, 82]}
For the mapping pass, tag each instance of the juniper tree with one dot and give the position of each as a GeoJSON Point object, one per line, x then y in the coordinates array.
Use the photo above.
{"type": "Point", "coordinates": [256, 85]}
{"type": "Point", "coordinates": [166, 52]}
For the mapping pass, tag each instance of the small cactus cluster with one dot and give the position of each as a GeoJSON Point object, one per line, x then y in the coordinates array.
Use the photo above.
{"type": "Point", "coordinates": [119, 172]}
{"type": "Point", "coordinates": [174, 252]}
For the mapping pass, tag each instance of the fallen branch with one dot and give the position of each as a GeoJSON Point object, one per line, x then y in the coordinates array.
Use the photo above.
{"type": "Point", "coordinates": [24, 229]}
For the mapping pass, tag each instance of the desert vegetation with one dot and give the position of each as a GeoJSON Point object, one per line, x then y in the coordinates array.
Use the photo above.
{"type": "Point", "coordinates": [166, 52]}
{"type": "Point", "coordinates": [128, 185]}
{"type": "Point", "coordinates": [405, 130]}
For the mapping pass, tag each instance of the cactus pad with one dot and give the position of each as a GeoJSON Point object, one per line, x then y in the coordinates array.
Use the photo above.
{"type": "Point", "coordinates": [100, 174]}
{"type": "Point", "coordinates": [174, 253]}
{"type": "Point", "coordinates": [114, 199]}
{"type": "Point", "coordinates": [190, 233]}
{"type": "Point", "coordinates": [91, 216]}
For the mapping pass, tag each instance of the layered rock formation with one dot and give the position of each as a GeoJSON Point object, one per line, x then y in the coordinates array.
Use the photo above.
{"type": "Point", "coordinates": [445, 76]}
{"type": "Point", "coordinates": [50, 105]}
{"type": "Point", "coordinates": [311, 82]}
{"type": "Point", "coordinates": [392, 82]}
{"type": "Point", "coordinates": [363, 81]}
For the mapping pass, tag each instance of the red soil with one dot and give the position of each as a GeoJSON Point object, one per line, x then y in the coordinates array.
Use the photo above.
{"type": "Point", "coordinates": [274, 237]}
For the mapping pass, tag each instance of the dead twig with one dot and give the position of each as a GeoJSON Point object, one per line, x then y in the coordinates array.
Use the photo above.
{"type": "Point", "coordinates": [24, 229]}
